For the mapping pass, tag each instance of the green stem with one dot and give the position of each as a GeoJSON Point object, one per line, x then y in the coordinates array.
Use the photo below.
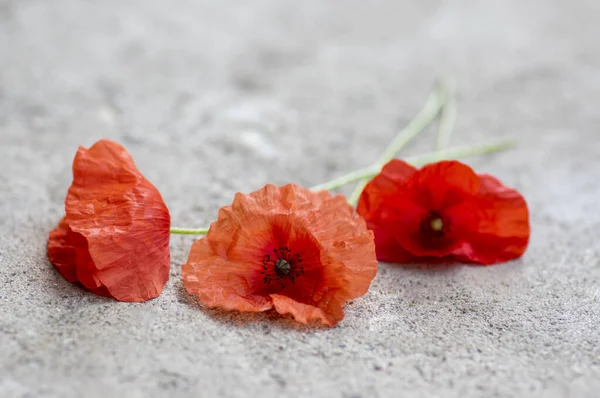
{"type": "Point", "coordinates": [426, 115]}
{"type": "Point", "coordinates": [189, 231]}
{"type": "Point", "coordinates": [447, 114]}
{"type": "Point", "coordinates": [353, 176]}
{"type": "Point", "coordinates": [464, 151]}
{"type": "Point", "coordinates": [419, 160]}
{"type": "Point", "coordinates": [371, 171]}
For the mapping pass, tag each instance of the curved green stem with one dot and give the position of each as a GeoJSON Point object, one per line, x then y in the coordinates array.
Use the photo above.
{"type": "Point", "coordinates": [464, 151]}
{"type": "Point", "coordinates": [371, 171]}
{"type": "Point", "coordinates": [419, 160]}
{"type": "Point", "coordinates": [426, 115]}
{"type": "Point", "coordinates": [353, 176]}
{"type": "Point", "coordinates": [447, 114]}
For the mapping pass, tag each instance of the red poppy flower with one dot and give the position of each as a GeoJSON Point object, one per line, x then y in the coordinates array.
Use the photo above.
{"type": "Point", "coordinates": [114, 239]}
{"type": "Point", "coordinates": [289, 249]}
{"type": "Point", "coordinates": [443, 211]}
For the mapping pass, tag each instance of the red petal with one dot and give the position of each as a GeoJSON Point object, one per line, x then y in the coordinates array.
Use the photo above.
{"type": "Point", "coordinates": [122, 219]}
{"type": "Point", "coordinates": [64, 246]}
{"type": "Point", "coordinates": [226, 268]}
{"type": "Point", "coordinates": [440, 185]}
{"type": "Point", "coordinates": [392, 178]}
{"type": "Point", "coordinates": [499, 229]}
{"type": "Point", "coordinates": [488, 222]}
{"type": "Point", "coordinates": [305, 313]}
{"type": "Point", "coordinates": [387, 247]}
{"type": "Point", "coordinates": [396, 201]}
{"type": "Point", "coordinates": [380, 207]}
{"type": "Point", "coordinates": [222, 283]}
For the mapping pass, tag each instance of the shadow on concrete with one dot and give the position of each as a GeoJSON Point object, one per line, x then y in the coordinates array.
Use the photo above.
{"type": "Point", "coordinates": [246, 320]}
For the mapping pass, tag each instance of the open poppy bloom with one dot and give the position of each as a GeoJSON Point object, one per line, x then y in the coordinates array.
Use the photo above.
{"type": "Point", "coordinates": [443, 211]}
{"type": "Point", "coordinates": [284, 248]}
{"type": "Point", "coordinates": [114, 239]}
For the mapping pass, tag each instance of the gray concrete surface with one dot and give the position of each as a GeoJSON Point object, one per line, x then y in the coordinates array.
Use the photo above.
{"type": "Point", "coordinates": [214, 97]}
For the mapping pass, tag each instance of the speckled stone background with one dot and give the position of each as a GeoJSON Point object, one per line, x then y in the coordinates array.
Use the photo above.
{"type": "Point", "coordinates": [214, 97]}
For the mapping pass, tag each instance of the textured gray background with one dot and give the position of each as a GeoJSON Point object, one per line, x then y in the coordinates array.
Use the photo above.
{"type": "Point", "coordinates": [214, 97]}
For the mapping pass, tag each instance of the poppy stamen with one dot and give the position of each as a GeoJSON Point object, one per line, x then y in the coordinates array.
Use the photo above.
{"type": "Point", "coordinates": [436, 224]}
{"type": "Point", "coordinates": [280, 266]}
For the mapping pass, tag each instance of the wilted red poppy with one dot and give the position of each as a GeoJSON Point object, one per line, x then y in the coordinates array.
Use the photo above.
{"type": "Point", "coordinates": [289, 249]}
{"type": "Point", "coordinates": [114, 239]}
{"type": "Point", "coordinates": [443, 211]}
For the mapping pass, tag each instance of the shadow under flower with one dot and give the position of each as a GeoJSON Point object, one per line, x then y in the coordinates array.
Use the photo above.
{"type": "Point", "coordinates": [240, 319]}
{"type": "Point", "coordinates": [442, 265]}
{"type": "Point", "coordinates": [429, 267]}
{"type": "Point", "coordinates": [73, 292]}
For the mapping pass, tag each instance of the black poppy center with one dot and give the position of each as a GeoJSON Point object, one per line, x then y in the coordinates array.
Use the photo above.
{"type": "Point", "coordinates": [280, 266]}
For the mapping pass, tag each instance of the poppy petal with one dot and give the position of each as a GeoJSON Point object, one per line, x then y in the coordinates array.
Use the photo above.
{"type": "Point", "coordinates": [388, 248]}
{"type": "Point", "coordinates": [305, 313]}
{"type": "Point", "coordinates": [333, 219]}
{"type": "Point", "coordinates": [119, 225]}
{"type": "Point", "coordinates": [393, 176]}
{"type": "Point", "coordinates": [325, 248]}
{"type": "Point", "coordinates": [444, 211]}
{"type": "Point", "coordinates": [63, 248]}
{"type": "Point", "coordinates": [499, 230]}
{"type": "Point", "coordinates": [220, 282]}
{"type": "Point", "coordinates": [440, 185]}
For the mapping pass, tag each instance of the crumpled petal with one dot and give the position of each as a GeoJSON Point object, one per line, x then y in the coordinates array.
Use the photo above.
{"type": "Point", "coordinates": [221, 282]}
{"type": "Point", "coordinates": [485, 222]}
{"type": "Point", "coordinates": [305, 313]}
{"type": "Point", "coordinates": [114, 239]}
{"type": "Point", "coordinates": [226, 270]}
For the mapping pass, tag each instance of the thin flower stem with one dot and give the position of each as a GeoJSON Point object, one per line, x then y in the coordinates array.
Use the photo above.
{"type": "Point", "coordinates": [447, 114]}
{"type": "Point", "coordinates": [464, 151]}
{"type": "Point", "coordinates": [353, 176]}
{"type": "Point", "coordinates": [419, 160]}
{"type": "Point", "coordinates": [371, 171]}
{"type": "Point", "coordinates": [189, 231]}
{"type": "Point", "coordinates": [426, 115]}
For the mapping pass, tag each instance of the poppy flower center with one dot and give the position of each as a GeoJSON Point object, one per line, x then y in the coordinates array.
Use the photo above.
{"type": "Point", "coordinates": [436, 224]}
{"type": "Point", "coordinates": [280, 266]}
{"type": "Point", "coordinates": [433, 225]}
